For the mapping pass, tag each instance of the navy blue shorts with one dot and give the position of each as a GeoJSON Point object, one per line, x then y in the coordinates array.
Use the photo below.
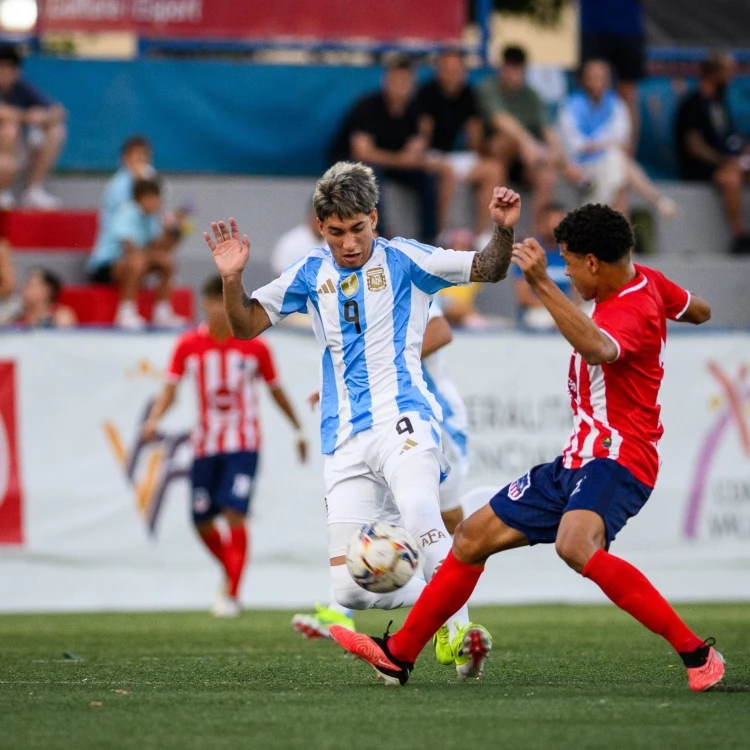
{"type": "Point", "coordinates": [220, 482]}
{"type": "Point", "coordinates": [535, 503]}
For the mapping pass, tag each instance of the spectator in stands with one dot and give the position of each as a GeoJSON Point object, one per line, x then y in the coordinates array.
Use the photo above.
{"type": "Point", "coordinates": [32, 127]}
{"type": "Point", "coordinates": [136, 156]}
{"type": "Point", "coordinates": [531, 313]}
{"type": "Point", "coordinates": [135, 245]}
{"type": "Point", "coordinates": [382, 130]}
{"type": "Point", "coordinates": [458, 302]}
{"type": "Point", "coordinates": [40, 295]}
{"type": "Point", "coordinates": [452, 126]}
{"type": "Point", "coordinates": [595, 130]}
{"type": "Point", "coordinates": [709, 148]}
{"type": "Point", "coordinates": [612, 30]}
{"type": "Point", "coordinates": [296, 243]}
{"type": "Point", "coordinates": [522, 141]}
{"type": "Point", "coordinates": [10, 304]}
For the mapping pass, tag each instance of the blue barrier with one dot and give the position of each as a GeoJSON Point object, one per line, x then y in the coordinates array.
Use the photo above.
{"type": "Point", "coordinates": [236, 117]}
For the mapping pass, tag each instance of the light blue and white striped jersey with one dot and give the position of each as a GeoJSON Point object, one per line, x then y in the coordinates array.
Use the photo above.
{"type": "Point", "coordinates": [370, 323]}
{"type": "Point", "coordinates": [455, 422]}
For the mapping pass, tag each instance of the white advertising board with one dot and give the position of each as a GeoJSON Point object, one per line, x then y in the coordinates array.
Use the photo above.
{"type": "Point", "coordinates": [88, 523]}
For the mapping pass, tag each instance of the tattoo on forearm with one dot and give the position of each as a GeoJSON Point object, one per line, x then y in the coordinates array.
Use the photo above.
{"type": "Point", "coordinates": [492, 263]}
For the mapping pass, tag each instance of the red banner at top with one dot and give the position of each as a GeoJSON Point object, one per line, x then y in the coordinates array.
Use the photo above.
{"type": "Point", "coordinates": [386, 20]}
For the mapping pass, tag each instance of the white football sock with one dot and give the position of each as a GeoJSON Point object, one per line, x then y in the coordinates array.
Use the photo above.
{"type": "Point", "coordinates": [415, 486]}
{"type": "Point", "coordinates": [335, 606]}
{"type": "Point", "coordinates": [348, 594]}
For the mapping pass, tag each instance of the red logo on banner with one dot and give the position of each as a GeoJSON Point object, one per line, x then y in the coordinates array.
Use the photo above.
{"type": "Point", "coordinates": [11, 500]}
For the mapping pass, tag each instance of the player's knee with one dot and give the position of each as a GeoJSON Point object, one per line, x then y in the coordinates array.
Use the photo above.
{"type": "Point", "coordinates": [573, 553]}
{"type": "Point", "coordinates": [451, 519]}
{"type": "Point", "coordinates": [466, 546]}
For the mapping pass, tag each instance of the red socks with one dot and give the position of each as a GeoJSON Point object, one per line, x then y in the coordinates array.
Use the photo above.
{"type": "Point", "coordinates": [234, 558]}
{"type": "Point", "coordinates": [449, 589]}
{"type": "Point", "coordinates": [632, 592]}
{"type": "Point", "coordinates": [212, 539]}
{"type": "Point", "coordinates": [232, 555]}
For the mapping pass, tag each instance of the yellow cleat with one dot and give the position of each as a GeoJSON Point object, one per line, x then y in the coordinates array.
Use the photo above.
{"type": "Point", "coordinates": [442, 644]}
{"type": "Point", "coordinates": [471, 646]}
{"type": "Point", "coordinates": [317, 625]}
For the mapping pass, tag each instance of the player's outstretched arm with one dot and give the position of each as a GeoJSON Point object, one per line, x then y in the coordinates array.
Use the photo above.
{"type": "Point", "coordinates": [280, 397]}
{"type": "Point", "coordinates": [698, 311]}
{"type": "Point", "coordinates": [492, 263]}
{"type": "Point", "coordinates": [247, 318]}
{"type": "Point", "coordinates": [162, 404]}
{"type": "Point", "coordinates": [581, 332]}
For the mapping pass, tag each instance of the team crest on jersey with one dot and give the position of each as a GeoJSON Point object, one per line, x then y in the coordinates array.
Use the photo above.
{"type": "Point", "coordinates": [376, 279]}
{"type": "Point", "coordinates": [517, 488]}
{"type": "Point", "coordinates": [350, 285]}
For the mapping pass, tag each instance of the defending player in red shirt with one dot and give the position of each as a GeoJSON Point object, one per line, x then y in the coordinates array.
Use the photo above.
{"type": "Point", "coordinates": [227, 438]}
{"type": "Point", "coordinates": [608, 468]}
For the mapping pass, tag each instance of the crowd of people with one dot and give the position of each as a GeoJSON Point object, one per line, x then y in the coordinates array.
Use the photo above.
{"type": "Point", "coordinates": [431, 139]}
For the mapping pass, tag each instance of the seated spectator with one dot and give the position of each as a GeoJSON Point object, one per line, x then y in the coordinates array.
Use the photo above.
{"type": "Point", "coordinates": [531, 313]}
{"type": "Point", "coordinates": [522, 141]}
{"type": "Point", "coordinates": [10, 304]}
{"type": "Point", "coordinates": [612, 30]}
{"type": "Point", "coordinates": [382, 130]}
{"type": "Point", "coordinates": [296, 243]}
{"type": "Point", "coordinates": [135, 164]}
{"type": "Point", "coordinates": [595, 130]}
{"type": "Point", "coordinates": [709, 147]}
{"type": "Point", "coordinates": [136, 245]}
{"type": "Point", "coordinates": [39, 297]}
{"type": "Point", "coordinates": [452, 126]}
{"type": "Point", "coordinates": [32, 127]}
{"type": "Point", "coordinates": [458, 301]}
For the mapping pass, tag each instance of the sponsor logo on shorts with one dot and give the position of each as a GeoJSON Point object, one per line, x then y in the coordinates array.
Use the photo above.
{"type": "Point", "coordinates": [242, 485]}
{"type": "Point", "coordinates": [517, 488]}
{"type": "Point", "coordinates": [431, 537]}
{"type": "Point", "coordinates": [408, 445]}
{"type": "Point", "coordinates": [577, 488]}
{"type": "Point", "coordinates": [201, 500]}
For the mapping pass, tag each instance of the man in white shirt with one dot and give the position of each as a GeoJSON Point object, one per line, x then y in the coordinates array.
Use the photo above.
{"type": "Point", "coordinates": [368, 300]}
{"type": "Point", "coordinates": [296, 243]}
{"type": "Point", "coordinates": [595, 128]}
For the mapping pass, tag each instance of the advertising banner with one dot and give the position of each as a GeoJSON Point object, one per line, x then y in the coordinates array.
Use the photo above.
{"type": "Point", "coordinates": [91, 518]}
{"type": "Point", "coordinates": [261, 19]}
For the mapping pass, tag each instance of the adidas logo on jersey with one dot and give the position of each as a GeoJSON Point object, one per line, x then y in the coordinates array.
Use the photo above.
{"type": "Point", "coordinates": [408, 445]}
{"type": "Point", "coordinates": [327, 288]}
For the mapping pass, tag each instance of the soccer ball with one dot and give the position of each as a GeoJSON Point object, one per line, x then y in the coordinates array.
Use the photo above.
{"type": "Point", "coordinates": [382, 557]}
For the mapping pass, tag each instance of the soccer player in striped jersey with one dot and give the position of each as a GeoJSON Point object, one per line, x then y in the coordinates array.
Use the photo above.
{"type": "Point", "coordinates": [368, 300]}
{"type": "Point", "coordinates": [453, 431]}
{"type": "Point", "coordinates": [227, 439]}
{"type": "Point", "coordinates": [608, 469]}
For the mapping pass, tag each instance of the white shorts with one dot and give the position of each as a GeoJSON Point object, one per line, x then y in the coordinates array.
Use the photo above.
{"type": "Point", "coordinates": [462, 162]}
{"type": "Point", "coordinates": [608, 176]}
{"type": "Point", "coordinates": [358, 472]}
{"type": "Point", "coordinates": [450, 488]}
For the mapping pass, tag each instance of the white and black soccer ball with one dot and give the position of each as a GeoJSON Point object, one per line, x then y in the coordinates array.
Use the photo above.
{"type": "Point", "coordinates": [382, 557]}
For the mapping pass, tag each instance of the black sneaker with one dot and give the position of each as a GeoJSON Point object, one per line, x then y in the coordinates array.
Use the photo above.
{"type": "Point", "coordinates": [375, 652]}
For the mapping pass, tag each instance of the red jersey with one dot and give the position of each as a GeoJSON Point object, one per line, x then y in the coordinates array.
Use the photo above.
{"type": "Point", "coordinates": [616, 410]}
{"type": "Point", "coordinates": [225, 373]}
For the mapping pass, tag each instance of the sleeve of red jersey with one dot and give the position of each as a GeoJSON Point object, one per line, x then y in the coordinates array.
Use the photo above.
{"type": "Point", "coordinates": [176, 367]}
{"type": "Point", "coordinates": [266, 363]}
{"type": "Point", "coordinates": [676, 299]}
{"type": "Point", "coordinates": [624, 324]}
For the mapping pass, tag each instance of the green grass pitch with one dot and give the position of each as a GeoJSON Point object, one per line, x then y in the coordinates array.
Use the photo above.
{"type": "Point", "coordinates": [559, 677]}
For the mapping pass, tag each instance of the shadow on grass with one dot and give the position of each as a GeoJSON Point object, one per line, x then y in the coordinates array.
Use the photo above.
{"type": "Point", "coordinates": [731, 689]}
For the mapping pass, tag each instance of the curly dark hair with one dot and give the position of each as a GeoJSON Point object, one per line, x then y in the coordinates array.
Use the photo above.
{"type": "Point", "coordinates": [597, 230]}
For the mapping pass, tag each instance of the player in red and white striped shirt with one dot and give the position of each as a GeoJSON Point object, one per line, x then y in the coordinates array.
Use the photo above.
{"type": "Point", "coordinates": [227, 438]}
{"type": "Point", "coordinates": [606, 473]}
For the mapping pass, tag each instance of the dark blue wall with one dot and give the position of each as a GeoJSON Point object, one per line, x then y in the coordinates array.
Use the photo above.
{"type": "Point", "coordinates": [257, 119]}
